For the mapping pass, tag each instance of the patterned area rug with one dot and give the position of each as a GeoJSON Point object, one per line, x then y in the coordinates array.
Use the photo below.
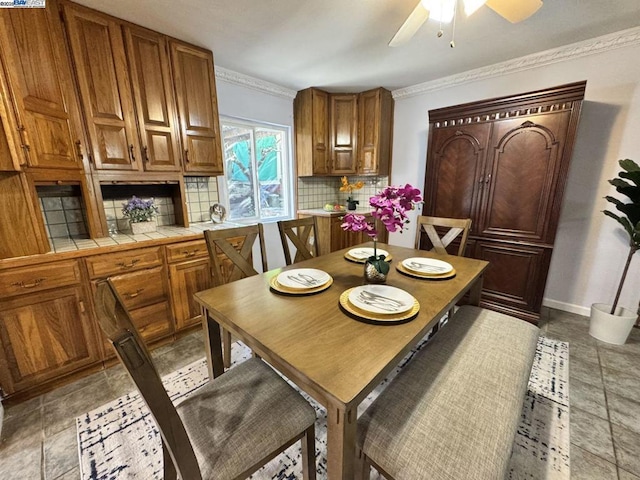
{"type": "Point", "coordinates": [119, 440]}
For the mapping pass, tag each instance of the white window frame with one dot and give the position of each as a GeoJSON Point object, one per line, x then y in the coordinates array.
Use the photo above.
{"type": "Point", "coordinates": [287, 167]}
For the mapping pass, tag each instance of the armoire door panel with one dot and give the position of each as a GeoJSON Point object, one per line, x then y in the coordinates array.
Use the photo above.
{"type": "Point", "coordinates": [98, 51]}
{"type": "Point", "coordinates": [521, 176]}
{"type": "Point", "coordinates": [455, 171]}
{"type": "Point", "coordinates": [153, 93]}
{"type": "Point", "coordinates": [515, 274]}
{"type": "Point", "coordinates": [41, 78]}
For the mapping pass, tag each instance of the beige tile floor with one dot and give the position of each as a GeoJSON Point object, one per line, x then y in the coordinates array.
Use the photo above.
{"type": "Point", "coordinates": [39, 436]}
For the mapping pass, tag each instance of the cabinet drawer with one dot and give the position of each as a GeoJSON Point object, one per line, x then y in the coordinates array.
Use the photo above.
{"type": "Point", "coordinates": [153, 321]}
{"type": "Point", "coordinates": [187, 251]}
{"type": "Point", "coordinates": [37, 278]}
{"type": "Point", "coordinates": [141, 288]}
{"type": "Point", "coordinates": [121, 262]}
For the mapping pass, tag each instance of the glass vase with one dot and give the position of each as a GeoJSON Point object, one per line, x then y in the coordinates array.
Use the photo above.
{"type": "Point", "coordinates": [376, 269]}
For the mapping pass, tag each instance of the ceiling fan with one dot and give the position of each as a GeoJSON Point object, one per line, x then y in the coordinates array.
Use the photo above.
{"type": "Point", "coordinates": [444, 10]}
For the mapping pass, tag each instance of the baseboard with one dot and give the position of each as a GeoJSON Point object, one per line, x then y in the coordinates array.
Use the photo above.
{"type": "Point", "coordinates": [566, 307]}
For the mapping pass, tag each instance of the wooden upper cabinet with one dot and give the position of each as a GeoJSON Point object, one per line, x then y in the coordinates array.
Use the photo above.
{"type": "Point", "coordinates": [195, 85]}
{"type": "Point", "coordinates": [375, 131]}
{"type": "Point", "coordinates": [343, 133]}
{"type": "Point", "coordinates": [311, 118]}
{"type": "Point", "coordinates": [456, 171]}
{"type": "Point", "coordinates": [41, 80]}
{"type": "Point", "coordinates": [101, 66]}
{"type": "Point", "coordinates": [149, 64]}
{"type": "Point", "coordinates": [521, 176]}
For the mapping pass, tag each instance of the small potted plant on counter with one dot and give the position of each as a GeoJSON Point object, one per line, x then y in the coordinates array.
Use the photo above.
{"type": "Point", "coordinates": [611, 323]}
{"type": "Point", "coordinates": [352, 204]}
{"type": "Point", "coordinates": [141, 214]}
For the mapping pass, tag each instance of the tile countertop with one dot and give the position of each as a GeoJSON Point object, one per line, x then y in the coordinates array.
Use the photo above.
{"type": "Point", "coordinates": [60, 245]}
{"type": "Point", "coordinates": [319, 212]}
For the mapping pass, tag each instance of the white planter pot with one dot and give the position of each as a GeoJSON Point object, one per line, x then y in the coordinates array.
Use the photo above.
{"type": "Point", "coordinates": [143, 227]}
{"type": "Point", "coordinates": [611, 328]}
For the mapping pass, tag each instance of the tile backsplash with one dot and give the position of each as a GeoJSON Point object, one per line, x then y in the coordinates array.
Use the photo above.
{"type": "Point", "coordinates": [64, 217]}
{"type": "Point", "coordinates": [201, 192]}
{"type": "Point", "coordinates": [315, 192]}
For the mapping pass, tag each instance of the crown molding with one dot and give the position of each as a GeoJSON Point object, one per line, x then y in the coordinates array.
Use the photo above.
{"type": "Point", "coordinates": [243, 80]}
{"type": "Point", "coordinates": [623, 38]}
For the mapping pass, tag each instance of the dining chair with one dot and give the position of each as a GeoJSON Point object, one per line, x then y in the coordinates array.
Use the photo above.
{"type": "Point", "coordinates": [226, 429]}
{"type": "Point", "coordinates": [458, 227]}
{"type": "Point", "coordinates": [230, 255]}
{"type": "Point", "coordinates": [303, 235]}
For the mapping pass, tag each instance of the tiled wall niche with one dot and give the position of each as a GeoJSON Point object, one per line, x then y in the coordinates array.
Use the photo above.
{"type": "Point", "coordinates": [315, 192]}
{"type": "Point", "coordinates": [63, 211]}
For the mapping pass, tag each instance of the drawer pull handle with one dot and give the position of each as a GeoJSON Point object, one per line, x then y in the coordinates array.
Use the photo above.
{"type": "Point", "coordinates": [128, 265]}
{"type": "Point", "coordinates": [36, 283]}
{"type": "Point", "coordinates": [192, 253]}
{"type": "Point", "coordinates": [134, 294]}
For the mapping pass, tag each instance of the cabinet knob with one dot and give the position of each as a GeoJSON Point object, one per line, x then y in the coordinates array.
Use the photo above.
{"type": "Point", "coordinates": [78, 144]}
{"type": "Point", "coordinates": [145, 154]}
{"type": "Point", "coordinates": [131, 153]}
{"type": "Point", "coordinates": [186, 156]}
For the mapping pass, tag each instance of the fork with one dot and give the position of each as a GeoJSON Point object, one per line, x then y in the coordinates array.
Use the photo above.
{"type": "Point", "coordinates": [374, 297]}
{"type": "Point", "coordinates": [300, 278]}
{"type": "Point", "coordinates": [378, 304]}
{"type": "Point", "coordinates": [427, 268]}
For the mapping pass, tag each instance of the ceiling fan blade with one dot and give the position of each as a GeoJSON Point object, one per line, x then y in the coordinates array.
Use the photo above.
{"type": "Point", "coordinates": [515, 10]}
{"type": "Point", "coordinates": [410, 26]}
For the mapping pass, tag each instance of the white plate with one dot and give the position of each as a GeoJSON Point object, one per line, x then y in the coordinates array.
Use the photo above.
{"type": "Point", "coordinates": [363, 253]}
{"type": "Point", "coordinates": [381, 299]}
{"type": "Point", "coordinates": [302, 278]}
{"type": "Point", "coordinates": [427, 266]}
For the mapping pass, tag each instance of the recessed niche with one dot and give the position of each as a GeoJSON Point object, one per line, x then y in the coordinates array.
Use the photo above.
{"type": "Point", "coordinates": [63, 211]}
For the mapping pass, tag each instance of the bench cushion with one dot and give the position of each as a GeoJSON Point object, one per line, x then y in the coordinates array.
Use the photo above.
{"type": "Point", "coordinates": [452, 412]}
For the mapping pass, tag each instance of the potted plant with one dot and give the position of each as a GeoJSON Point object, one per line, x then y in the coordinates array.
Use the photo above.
{"type": "Point", "coordinates": [611, 323]}
{"type": "Point", "coordinates": [390, 207]}
{"type": "Point", "coordinates": [141, 214]}
{"type": "Point", "coordinates": [352, 204]}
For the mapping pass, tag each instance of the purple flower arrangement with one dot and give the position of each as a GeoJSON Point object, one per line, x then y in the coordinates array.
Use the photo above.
{"type": "Point", "coordinates": [138, 210]}
{"type": "Point", "coordinates": [390, 206]}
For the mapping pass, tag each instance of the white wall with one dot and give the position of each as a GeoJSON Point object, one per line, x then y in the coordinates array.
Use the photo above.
{"type": "Point", "coordinates": [590, 249]}
{"type": "Point", "coordinates": [247, 103]}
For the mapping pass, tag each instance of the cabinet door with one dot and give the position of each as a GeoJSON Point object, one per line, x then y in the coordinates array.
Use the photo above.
{"type": "Point", "coordinates": [195, 84]}
{"type": "Point", "coordinates": [375, 121]}
{"type": "Point", "coordinates": [343, 127]}
{"type": "Point", "coordinates": [515, 279]}
{"type": "Point", "coordinates": [43, 336]}
{"type": "Point", "coordinates": [186, 279]}
{"type": "Point", "coordinates": [454, 177]}
{"type": "Point", "coordinates": [154, 96]}
{"type": "Point", "coordinates": [320, 132]}
{"type": "Point", "coordinates": [105, 89]}
{"type": "Point", "coordinates": [341, 239]}
{"type": "Point", "coordinates": [40, 75]}
{"type": "Point", "coordinates": [522, 175]}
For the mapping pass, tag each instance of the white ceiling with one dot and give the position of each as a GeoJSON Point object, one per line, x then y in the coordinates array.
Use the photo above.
{"type": "Point", "coordinates": [341, 45]}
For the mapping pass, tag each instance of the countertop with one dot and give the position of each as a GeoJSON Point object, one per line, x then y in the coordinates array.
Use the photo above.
{"type": "Point", "coordinates": [319, 212]}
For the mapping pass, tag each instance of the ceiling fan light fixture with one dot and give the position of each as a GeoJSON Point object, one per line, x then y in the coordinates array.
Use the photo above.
{"type": "Point", "coordinates": [470, 6]}
{"type": "Point", "coordinates": [440, 10]}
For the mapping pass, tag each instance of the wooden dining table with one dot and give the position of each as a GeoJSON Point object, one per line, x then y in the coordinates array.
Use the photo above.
{"type": "Point", "coordinates": [328, 353]}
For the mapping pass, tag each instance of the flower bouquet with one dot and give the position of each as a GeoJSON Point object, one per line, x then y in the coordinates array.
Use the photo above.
{"type": "Point", "coordinates": [350, 187]}
{"type": "Point", "coordinates": [138, 212]}
{"type": "Point", "coordinates": [390, 207]}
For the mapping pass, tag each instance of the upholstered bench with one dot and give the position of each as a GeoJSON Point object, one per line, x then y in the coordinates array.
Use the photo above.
{"type": "Point", "coordinates": [452, 412]}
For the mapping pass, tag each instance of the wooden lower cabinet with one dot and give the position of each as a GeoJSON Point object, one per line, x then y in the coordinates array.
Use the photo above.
{"type": "Point", "coordinates": [187, 278]}
{"type": "Point", "coordinates": [44, 336]}
{"type": "Point", "coordinates": [331, 237]}
{"type": "Point", "coordinates": [515, 277]}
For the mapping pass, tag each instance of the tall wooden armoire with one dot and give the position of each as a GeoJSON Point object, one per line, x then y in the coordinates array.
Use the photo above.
{"type": "Point", "coordinates": [503, 163]}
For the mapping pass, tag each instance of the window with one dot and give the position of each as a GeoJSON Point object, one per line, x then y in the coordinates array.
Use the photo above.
{"type": "Point", "coordinates": [257, 170]}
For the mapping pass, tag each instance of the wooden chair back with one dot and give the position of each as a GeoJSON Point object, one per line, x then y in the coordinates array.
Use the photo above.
{"type": "Point", "coordinates": [239, 263]}
{"type": "Point", "coordinates": [115, 322]}
{"type": "Point", "coordinates": [457, 227]}
{"type": "Point", "coordinates": [302, 233]}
